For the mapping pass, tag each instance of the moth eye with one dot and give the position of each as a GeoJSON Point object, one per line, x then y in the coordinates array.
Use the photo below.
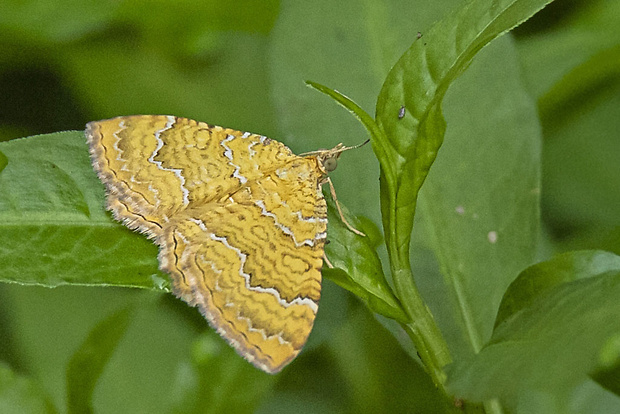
{"type": "Point", "coordinates": [330, 164]}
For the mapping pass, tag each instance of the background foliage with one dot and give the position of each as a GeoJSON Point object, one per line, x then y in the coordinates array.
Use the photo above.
{"type": "Point", "coordinates": [552, 81]}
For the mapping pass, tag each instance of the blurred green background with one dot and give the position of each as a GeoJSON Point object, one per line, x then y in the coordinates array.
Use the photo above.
{"type": "Point", "coordinates": [243, 64]}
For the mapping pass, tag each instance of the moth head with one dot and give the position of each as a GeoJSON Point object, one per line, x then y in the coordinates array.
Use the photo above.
{"type": "Point", "coordinates": [330, 163]}
{"type": "Point", "coordinates": [327, 159]}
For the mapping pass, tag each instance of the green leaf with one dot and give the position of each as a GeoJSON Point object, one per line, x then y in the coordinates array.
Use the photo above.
{"type": "Point", "coordinates": [551, 52]}
{"type": "Point", "coordinates": [53, 226]}
{"type": "Point", "coordinates": [213, 380]}
{"type": "Point", "coordinates": [380, 376]}
{"type": "Point", "coordinates": [478, 211]}
{"type": "Point", "coordinates": [423, 74]}
{"type": "Point", "coordinates": [197, 31]}
{"type": "Point", "coordinates": [119, 78]}
{"type": "Point", "coordinates": [607, 374]}
{"type": "Point", "coordinates": [357, 267]}
{"type": "Point", "coordinates": [349, 105]}
{"type": "Point", "coordinates": [353, 46]}
{"type": "Point", "coordinates": [20, 395]}
{"type": "Point", "coordinates": [376, 135]}
{"type": "Point", "coordinates": [48, 23]}
{"type": "Point", "coordinates": [571, 66]}
{"type": "Point", "coordinates": [550, 344]}
{"type": "Point", "coordinates": [415, 88]}
{"type": "Point", "coordinates": [409, 144]}
{"type": "Point", "coordinates": [581, 89]}
{"type": "Point", "coordinates": [417, 85]}
{"type": "Point", "coordinates": [543, 277]}
{"type": "Point", "coordinates": [418, 82]}
{"type": "Point", "coordinates": [89, 361]}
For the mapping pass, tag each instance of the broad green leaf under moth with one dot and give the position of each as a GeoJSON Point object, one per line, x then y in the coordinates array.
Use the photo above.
{"type": "Point", "coordinates": [64, 213]}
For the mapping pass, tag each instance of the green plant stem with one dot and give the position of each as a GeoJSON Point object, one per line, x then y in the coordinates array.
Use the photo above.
{"type": "Point", "coordinates": [426, 336]}
{"type": "Point", "coordinates": [423, 331]}
{"type": "Point", "coordinates": [422, 328]}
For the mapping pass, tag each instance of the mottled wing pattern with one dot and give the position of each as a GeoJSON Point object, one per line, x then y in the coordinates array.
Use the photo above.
{"type": "Point", "coordinates": [253, 263]}
{"type": "Point", "coordinates": [155, 166]}
{"type": "Point", "coordinates": [239, 219]}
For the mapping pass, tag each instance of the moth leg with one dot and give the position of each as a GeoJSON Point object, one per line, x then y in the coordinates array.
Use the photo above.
{"type": "Point", "coordinates": [346, 223]}
{"type": "Point", "coordinates": [327, 262]}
